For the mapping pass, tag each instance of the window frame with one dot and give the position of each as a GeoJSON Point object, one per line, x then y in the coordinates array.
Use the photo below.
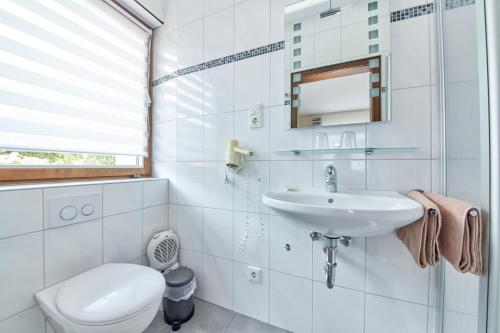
{"type": "Point", "coordinates": [43, 173]}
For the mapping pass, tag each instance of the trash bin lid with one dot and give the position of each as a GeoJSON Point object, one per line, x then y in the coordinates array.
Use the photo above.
{"type": "Point", "coordinates": [179, 277]}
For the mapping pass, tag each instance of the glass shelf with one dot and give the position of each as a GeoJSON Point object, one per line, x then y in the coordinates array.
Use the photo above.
{"type": "Point", "coordinates": [366, 150]}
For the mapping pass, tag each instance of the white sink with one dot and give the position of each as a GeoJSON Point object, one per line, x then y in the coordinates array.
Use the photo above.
{"type": "Point", "coordinates": [349, 213]}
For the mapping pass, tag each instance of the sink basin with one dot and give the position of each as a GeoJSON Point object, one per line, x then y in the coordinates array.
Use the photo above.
{"type": "Point", "coordinates": [349, 213]}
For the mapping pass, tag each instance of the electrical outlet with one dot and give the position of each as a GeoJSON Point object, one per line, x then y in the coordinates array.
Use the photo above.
{"type": "Point", "coordinates": [255, 115]}
{"type": "Point", "coordinates": [254, 274]}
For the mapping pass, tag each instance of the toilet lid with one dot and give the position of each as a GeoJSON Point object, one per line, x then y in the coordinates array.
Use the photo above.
{"type": "Point", "coordinates": [109, 293]}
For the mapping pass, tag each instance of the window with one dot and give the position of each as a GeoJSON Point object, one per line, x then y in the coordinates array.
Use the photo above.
{"type": "Point", "coordinates": [74, 83]}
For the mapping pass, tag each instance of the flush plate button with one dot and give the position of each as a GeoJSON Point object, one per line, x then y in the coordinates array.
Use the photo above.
{"type": "Point", "coordinates": [65, 210]}
{"type": "Point", "coordinates": [68, 213]}
{"type": "Point", "coordinates": [87, 209]}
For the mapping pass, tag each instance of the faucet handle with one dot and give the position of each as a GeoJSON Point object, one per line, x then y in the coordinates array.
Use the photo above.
{"type": "Point", "coordinates": [330, 171]}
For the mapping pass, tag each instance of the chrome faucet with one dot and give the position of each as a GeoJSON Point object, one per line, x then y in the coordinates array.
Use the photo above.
{"type": "Point", "coordinates": [331, 179]}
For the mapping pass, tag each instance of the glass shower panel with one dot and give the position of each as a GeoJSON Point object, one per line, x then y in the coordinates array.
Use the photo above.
{"type": "Point", "coordinates": [461, 292]}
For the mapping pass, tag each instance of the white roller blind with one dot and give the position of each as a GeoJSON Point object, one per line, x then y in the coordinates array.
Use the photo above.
{"type": "Point", "coordinates": [73, 78]}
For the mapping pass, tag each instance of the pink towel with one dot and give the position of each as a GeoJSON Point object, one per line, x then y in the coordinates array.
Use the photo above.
{"type": "Point", "coordinates": [421, 236]}
{"type": "Point", "coordinates": [460, 239]}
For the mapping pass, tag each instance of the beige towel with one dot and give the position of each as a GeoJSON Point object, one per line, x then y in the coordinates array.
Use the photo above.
{"type": "Point", "coordinates": [460, 239]}
{"type": "Point", "coordinates": [420, 237]}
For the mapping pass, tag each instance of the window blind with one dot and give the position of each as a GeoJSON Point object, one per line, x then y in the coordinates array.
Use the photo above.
{"type": "Point", "coordinates": [73, 78]}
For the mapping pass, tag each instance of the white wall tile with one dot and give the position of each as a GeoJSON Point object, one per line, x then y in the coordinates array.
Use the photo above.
{"type": "Point", "coordinates": [19, 283]}
{"type": "Point", "coordinates": [297, 261]}
{"type": "Point", "coordinates": [290, 302]}
{"type": "Point", "coordinates": [213, 6]}
{"type": "Point", "coordinates": [22, 212]}
{"type": "Point", "coordinates": [167, 170]}
{"type": "Point", "coordinates": [154, 219]}
{"type": "Point", "coordinates": [249, 186]}
{"type": "Point", "coordinates": [388, 264]}
{"type": "Point", "coordinates": [254, 249]}
{"type": "Point", "coordinates": [122, 237]}
{"type": "Point", "coordinates": [285, 174]}
{"type": "Point", "coordinates": [121, 197]}
{"type": "Point", "coordinates": [337, 309]}
{"type": "Point", "coordinates": [282, 138]}
{"type": "Point", "coordinates": [454, 322]}
{"type": "Point", "coordinates": [251, 84]}
{"type": "Point", "coordinates": [190, 95]}
{"type": "Point", "coordinates": [277, 77]}
{"type": "Point", "coordinates": [252, 28]}
{"type": "Point", "coordinates": [164, 99]}
{"type": "Point", "coordinates": [218, 233]}
{"type": "Point", "coordinates": [218, 281]}
{"type": "Point", "coordinates": [194, 260]}
{"type": "Point", "coordinates": [219, 89]}
{"type": "Point", "coordinates": [171, 16]}
{"type": "Point", "coordinates": [385, 315]}
{"type": "Point", "coordinates": [218, 130]}
{"type": "Point", "coordinates": [189, 11]}
{"type": "Point", "coordinates": [351, 264]}
{"type": "Point", "coordinates": [219, 34]}
{"type": "Point", "coordinates": [410, 52]}
{"type": "Point", "coordinates": [189, 183]}
{"type": "Point", "coordinates": [459, 30]}
{"type": "Point", "coordinates": [394, 175]}
{"type": "Point", "coordinates": [190, 139]}
{"type": "Point", "coordinates": [250, 299]}
{"type": "Point", "coordinates": [190, 227]}
{"type": "Point", "coordinates": [72, 250]}
{"type": "Point", "coordinates": [29, 321]}
{"type": "Point", "coordinates": [154, 193]}
{"type": "Point", "coordinates": [216, 192]}
{"type": "Point", "coordinates": [410, 125]}
{"type": "Point", "coordinates": [190, 44]}
{"type": "Point", "coordinates": [165, 55]}
{"type": "Point", "coordinates": [460, 287]}
{"type": "Point", "coordinates": [165, 142]}
{"type": "Point", "coordinates": [463, 99]}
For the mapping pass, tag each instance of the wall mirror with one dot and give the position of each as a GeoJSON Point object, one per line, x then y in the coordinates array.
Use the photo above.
{"type": "Point", "coordinates": [337, 62]}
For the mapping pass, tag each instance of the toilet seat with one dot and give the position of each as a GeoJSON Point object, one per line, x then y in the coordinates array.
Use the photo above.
{"type": "Point", "coordinates": [108, 294]}
{"type": "Point", "coordinates": [112, 298]}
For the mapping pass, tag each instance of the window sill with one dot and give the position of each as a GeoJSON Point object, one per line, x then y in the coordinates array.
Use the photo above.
{"type": "Point", "coordinates": [65, 183]}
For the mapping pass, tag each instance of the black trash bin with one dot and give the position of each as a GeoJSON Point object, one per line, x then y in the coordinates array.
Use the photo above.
{"type": "Point", "coordinates": [178, 304]}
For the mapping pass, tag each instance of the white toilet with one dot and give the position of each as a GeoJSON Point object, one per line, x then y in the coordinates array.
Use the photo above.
{"type": "Point", "coordinates": [112, 298]}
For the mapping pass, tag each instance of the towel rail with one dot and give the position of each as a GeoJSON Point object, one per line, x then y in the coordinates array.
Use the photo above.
{"type": "Point", "coordinates": [472, 212]}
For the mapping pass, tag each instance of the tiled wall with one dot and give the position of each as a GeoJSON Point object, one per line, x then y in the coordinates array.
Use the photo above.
{"type": "Point", "coordinates": [379, 288]}
{"type": "Point", "coordinates": [34, 256]}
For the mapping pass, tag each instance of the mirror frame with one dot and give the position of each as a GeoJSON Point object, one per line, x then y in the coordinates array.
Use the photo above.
{"type": "Point", "coordinates": [370, 65]}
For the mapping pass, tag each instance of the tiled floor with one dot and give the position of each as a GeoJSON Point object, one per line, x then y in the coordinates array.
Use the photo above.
{"type": "Point", "coordinates": [210, 318]}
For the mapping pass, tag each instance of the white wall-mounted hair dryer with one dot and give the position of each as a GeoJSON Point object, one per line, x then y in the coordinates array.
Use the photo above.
{"type": "Point", "coordinates": [235, 158]}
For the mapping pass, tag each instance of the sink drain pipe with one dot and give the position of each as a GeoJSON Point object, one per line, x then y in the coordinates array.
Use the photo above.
{"type": "Point", "coordinates": [330, 250]}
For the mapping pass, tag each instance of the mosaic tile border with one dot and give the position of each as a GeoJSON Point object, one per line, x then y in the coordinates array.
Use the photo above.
{"type": "Point", "coordinates": [451, 4]}
{"type": "Point", "coordinates": [222, 61]}
{"type": "Point", "coordinates": [408, 13]}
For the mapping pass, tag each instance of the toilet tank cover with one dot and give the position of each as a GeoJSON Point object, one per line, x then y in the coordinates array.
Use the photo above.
{"type": "Point", "coordinates": [109, 293]}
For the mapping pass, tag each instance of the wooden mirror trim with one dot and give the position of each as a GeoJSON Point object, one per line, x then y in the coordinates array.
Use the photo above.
{"type": "Point", "coordinates": [338, 70]}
